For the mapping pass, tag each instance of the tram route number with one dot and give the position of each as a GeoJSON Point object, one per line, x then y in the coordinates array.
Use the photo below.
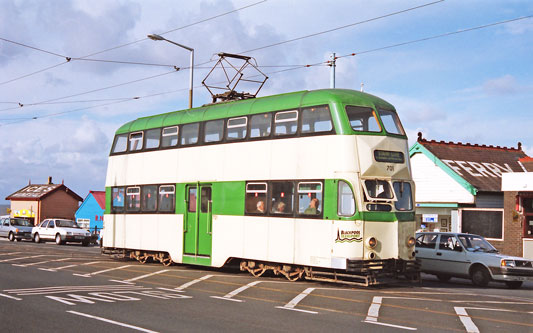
{"type": "Point", "coordinates": [116, 296]}
{"type": "Point", "coordinates": [390, 168]}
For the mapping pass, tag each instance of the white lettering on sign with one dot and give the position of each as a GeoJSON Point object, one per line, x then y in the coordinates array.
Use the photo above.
{"type": "Point", "coordinates": [476, 169]}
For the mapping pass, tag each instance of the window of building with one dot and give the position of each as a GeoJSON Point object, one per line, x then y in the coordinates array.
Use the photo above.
{"type": "Point", "coordinates": [404, 196]}
{"type": "Point", "coordinates": [189, 134]}
{"type": "Point", "coordinates": [256, 198]}
{"type": "Point", "coordinates": [310, 198]}
{"type": "Point", "coordinates": [121, 144]}
{"type": "Point", "coordinates": [486, 223]}
{"type": "Point", "coordinates": [167, 198]}
{"type": "Point", "coordinates": [149, 198]}
{"type": "Point", "coordinates": [285, 123]}
{"type": "Point", "coordinates": [362, 119]}
{"type": "Point", "coordinates": [346, 200]}
{"type": "Point", "coordinates": [152, 138]}
{"type": "Point", "coordinates": [117, 199]}
{"type": "Point", "coordinates": [133, 199]}
{"type": "Point", "coordinates": [391, 122]}
{"type": "Point", "coordinates": [237, 128]}
{"type": "Point", "coordinates": [136, 141]}
{"type": "Point", "coordinates": [214, 130]}
{"type": "Point", "coordinates": [169, 137]}
{"type": "Point", "coordinates": [260, 125]}
{"type": "Point", "coordinates": [316, 119]}
{"type": "Point", "coordinates": [282, 197]}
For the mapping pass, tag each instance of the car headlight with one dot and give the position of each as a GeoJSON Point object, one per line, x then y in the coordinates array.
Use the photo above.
{"type": "Point", "coordinates": [507, 263]}
{"type": "Point", "coordinates": [371, 242]}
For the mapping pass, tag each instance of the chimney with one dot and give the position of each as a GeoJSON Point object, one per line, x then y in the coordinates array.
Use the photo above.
{"type": "Point", "coordinates": [50, 180]}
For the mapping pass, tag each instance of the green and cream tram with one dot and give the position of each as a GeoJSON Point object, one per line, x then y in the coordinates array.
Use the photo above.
{"type": "Point", "coordinates": [311, 183]}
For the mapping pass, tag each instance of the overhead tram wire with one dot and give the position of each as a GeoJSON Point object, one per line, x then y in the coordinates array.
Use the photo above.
{"type": "Point", "coordinates": [113, 48]}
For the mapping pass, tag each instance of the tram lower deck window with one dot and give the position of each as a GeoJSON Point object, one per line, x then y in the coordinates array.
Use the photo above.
{"type": "Point", "coordinates": [117, 199]}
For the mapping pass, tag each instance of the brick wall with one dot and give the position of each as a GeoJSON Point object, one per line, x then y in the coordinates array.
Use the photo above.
{"type": "Point", "coordinates": [512, 227]}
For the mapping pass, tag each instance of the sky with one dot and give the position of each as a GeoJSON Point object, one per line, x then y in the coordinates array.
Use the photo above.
{"type": "Point", "coordinates": [451, 68]}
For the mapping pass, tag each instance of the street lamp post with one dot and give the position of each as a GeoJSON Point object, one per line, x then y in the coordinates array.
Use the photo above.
{"type": "Point", "coordinates": [157, 37]}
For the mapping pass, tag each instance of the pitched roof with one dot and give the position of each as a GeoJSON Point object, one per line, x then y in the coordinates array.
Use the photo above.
{"type": "Point", "coordinates": [480, 165]}
{"type": "Point", "coordinates": [99, 196]}
{"type": "Point", "coordinates": [39, 191]}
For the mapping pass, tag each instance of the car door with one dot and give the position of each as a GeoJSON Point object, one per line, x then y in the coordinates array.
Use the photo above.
{"type": "Point", "coordinates": [425, 251]}
{"type": "Point", "coordinates": [50, 230]}
{"type": "Point", "coordinates": [3, 228]}
{"type": "Point", "coordinates": [452, 256]}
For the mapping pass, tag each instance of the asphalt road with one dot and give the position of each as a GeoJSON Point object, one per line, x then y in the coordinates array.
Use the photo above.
{"type": "Point", "coordinates": [46, 287]}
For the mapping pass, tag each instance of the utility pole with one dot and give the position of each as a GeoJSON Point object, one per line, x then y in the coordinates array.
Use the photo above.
{"type": "Point", "coordinates": [332, 77]}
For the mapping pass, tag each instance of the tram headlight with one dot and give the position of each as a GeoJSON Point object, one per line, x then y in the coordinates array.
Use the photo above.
{"type": "Point", "coordinates": [371, 255]}
{"type": "Point", "coordinates": [371, 242]}
{"type": "Point", "coordinates": [410, 242]}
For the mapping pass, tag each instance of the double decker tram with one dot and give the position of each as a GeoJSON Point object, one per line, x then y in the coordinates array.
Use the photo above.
{"type": "Point", "coordinates": [313, 184]}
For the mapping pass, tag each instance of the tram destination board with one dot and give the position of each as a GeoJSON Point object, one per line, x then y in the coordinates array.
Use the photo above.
{"type": "Point", "coordinates": [389, 156]}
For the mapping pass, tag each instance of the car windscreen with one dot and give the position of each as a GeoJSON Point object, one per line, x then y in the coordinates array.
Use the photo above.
{"type": "Point", "coordinates": [66, 224]}
{"type": "Point", "coordinates": [474, 243]}
{"type": "Point", "coordinates": [21, 222]}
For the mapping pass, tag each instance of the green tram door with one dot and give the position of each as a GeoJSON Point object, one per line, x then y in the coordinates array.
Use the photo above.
{"type": "Point", "coordinates": [197, 236]}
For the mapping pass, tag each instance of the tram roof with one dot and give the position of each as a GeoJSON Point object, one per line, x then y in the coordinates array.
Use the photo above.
{"type": "Point", "coordinates": [256, 105]}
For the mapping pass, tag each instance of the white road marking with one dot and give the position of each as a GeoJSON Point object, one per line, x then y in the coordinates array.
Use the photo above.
{"type": "Point", "coordinates": [40, 262]}
{"type": "Point", "coordinates": [466, 320]}
{"type": "Point", "coordinates": [68, 266]}
{"type": "Point", "coordinates": [296, 300]}
{"type": "Point", "coordinates": [10, 253]}
{"type": "Point", "coordinates": [20, 258]}
{"type": "Point", "coordinates": [65, 289]}
{"type": "Point", "coordinates": [15, 298]}
{"type": "Point", "coordinates": [229, 296]}
{"type": "Point", "coordinates": [188, 284]}
{"type": "Point", "coordinates": [373, 312]}
{"type": "Point", "coordinates": [111, 321]}
{"type": "Point", "coordinates": [103, 271]}
{"type": "Point", "coordinates": [146, 275]}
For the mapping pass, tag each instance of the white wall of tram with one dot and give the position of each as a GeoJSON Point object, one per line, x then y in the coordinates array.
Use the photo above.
{"type": "Point", "coordinates": [299, 241]}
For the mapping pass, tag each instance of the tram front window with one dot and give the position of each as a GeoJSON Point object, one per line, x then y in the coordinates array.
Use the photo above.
{"type": "Point", "coordinates": [391, 122]}
{"type": "Point", "coordinates": [378, 189]}
{"type": "Point", "coordinates": [362, 119]}
{"type": "Point", "coordinates": [404, 196]}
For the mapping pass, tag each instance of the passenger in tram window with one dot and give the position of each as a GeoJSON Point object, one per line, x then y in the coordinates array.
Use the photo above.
{"type": "Point", "coordinates": [260, 207]}
{"type": "Point", "coordinates": [313, 207]}
{"type": "Point", "coordinates": [280, 207]}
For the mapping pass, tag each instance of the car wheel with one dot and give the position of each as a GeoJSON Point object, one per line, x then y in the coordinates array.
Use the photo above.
{"type": "Point", "coordinates": [11, 237]}
{"type": "Point", "coordinates": [513, 284]}
{"type": "Point", "coordinates": [85, 243]}
{"type": "Point", "coordinates": [443, 278]}
{"type": "Point", "coordinates": [58, 239]}
{"type": "Point", "coordinates": [480, 276]}
{"type": "Point", "coordinates": [37, 238]}
{"type": "Point", "coordinates": [18, 239]}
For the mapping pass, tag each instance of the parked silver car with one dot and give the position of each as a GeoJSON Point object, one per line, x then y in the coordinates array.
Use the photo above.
{"type": "Point", "coordinates": [469, 256]}
{"type": "Point", "coordinates": [15, 228]}
{"type": "Point", "coordinates": [60, 231]}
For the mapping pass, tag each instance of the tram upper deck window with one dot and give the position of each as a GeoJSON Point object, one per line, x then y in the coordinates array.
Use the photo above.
{"type": "Point", "coordinates": [310, 198]}
{"type": "Point", "coordinates": [346, 200]}
{"type": "Point", "coordinates": [236, 128]}
{"type": "Point", "coordinates": [169, 137]}
{"type": "Point", "coordinates": [117, 199]}
{"type": "Point", "coordinates": [152, 138]}
{"type": "Point", "coordinates": [167, 198]}
{"type": "Point", "coordinates": [133, 199]}
{"type": "Point", "coordinates": [285, 123]}
{"type": "Point", "coordinates": [282, 198]}
{"type": "Point", "coordinates": [316, 119]}
{"type": "Point", "coordinates": [378, 189]}
{"type": "Point", "coordinates": [136, 141]}
{"type": "Point", "coordinates": [362, 119]}
{"type": "Point", "coordinates": [404, 196]}
{"type": "Point", "coordinates": [121, 144]}
{"type": "Point", "coordinates": [214, 130]}
{"type": "Point", "coordinates": [391, 122]}
{"type": "Point", "coordinates": [189, 134]}
{"type": "Point", "coordinates": [256, 198]}
{"type": "Point", "coordinates": [260, 125]}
